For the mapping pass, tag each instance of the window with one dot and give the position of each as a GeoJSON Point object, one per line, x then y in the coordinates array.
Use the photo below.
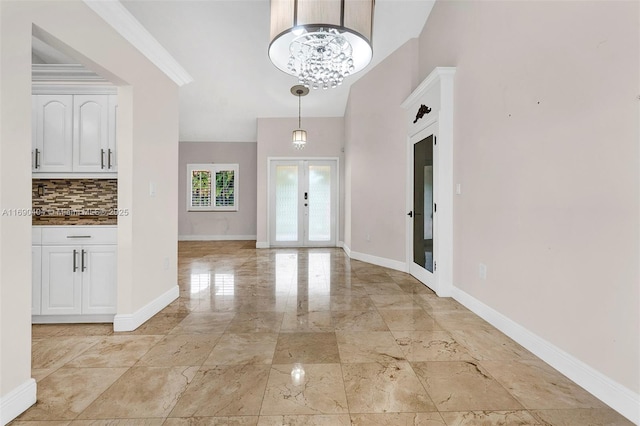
{"type": "Point", "coordinates": [212, 187]}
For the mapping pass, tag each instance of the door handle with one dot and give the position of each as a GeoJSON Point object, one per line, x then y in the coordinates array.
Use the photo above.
{"type": "Point", "coordinates": [410, 214]}
{"type": "Point", "coordinates": [108, 159]}
{"type": "Point", "coordinates": [102, 158]}
{"type": "Point", "coordinates": [75, 261]}
{"type": "Point", "coordinates": [83, 267]}
{"type": "Point", "coordinates": [37, 158]}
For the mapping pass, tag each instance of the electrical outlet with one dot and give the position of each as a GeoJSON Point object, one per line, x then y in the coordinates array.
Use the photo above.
{"type": "Point", "coordinates": [166, 263]}
{"type": "Point", "coordinates": [368, 237]}
{"type": "Point", "coordinates": [482, 271]}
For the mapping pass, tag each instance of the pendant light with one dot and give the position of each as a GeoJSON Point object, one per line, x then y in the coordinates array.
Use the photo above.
{"type": "Point", "coordinates": [299, 135]}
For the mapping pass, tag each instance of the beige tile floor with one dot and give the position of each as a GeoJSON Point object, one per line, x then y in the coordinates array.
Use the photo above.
{"type": "Point", "coordinates": [298, 337]}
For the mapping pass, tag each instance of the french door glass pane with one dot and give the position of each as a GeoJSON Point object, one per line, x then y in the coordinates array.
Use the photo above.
{"type": "Point", "coordinates": [319, 203]}
{"type": "Point", "coordinates": [286, 203]}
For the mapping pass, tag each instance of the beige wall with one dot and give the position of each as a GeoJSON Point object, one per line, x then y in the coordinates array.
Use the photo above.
{"type": "Point", "coordinates": [325, 138]}
{"type": "Point", "coordinates": [546, 150]}
{"type": "Point", "coordinates": [147, 153]}
{"type": "Point", "coordinates": [241, 223]}
{"type": "Point", "coordinates": [376, 138]}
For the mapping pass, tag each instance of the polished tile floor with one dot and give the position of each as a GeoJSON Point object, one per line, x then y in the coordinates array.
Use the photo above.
{"type": "Point", "coordinates": [298, 337]}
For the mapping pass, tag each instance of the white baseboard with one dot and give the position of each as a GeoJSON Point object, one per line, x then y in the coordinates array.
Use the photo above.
{"type": "Point", "coordinates": [340, 244]}
{"type": "Point", "coordinates": [262, 245]}
{"type": "Point", "coordinates": [612, 393]}
{"type": "Point", "coordinates": [70, 319]}
{"type": "Point", "coordinates": [129, 322]}
{"type": "Point", "coordinates": [216, 237]}
{"type": "Point", "coordinates": [375, 260]}
{"type": "Point", "coordinates": [17, 401]}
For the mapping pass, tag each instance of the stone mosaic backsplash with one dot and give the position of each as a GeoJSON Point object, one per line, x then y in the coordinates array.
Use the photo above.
{"type": "Point", "coordinates": [74, 197]}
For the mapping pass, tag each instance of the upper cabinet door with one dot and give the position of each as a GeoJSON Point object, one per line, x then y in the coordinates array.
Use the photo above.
{"type": "Point", "coordinates": [91, 133]}
{"type": "Point", "coordinates": [112, 164]}
{"type": "Point", "coordinates": [53, 116]}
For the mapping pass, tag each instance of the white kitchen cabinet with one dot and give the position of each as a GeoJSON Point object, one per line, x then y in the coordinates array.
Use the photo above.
{"type": "Point", "coordinates": [36, 279]}
{"type": "Point", "coordinates": [61, 281]}
{"type": "Point", "coordinates": [99, 279]}
{"type": "Point", "coordinates": [52, 139]}
{"type": "Point", "coordinates": [74, 134]}
{"type": "Point", "coordinates": [78, 274]}
{"type": "Point", "coordinates": [90, 132]}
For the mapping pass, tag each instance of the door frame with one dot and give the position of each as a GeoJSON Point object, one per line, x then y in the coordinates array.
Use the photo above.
{"type": "Point", "coordinates": [429, 110]}
{"type": "Point", "coordinates": [422, 274]}
{"type": "Point", "coordinates": [336, 197]}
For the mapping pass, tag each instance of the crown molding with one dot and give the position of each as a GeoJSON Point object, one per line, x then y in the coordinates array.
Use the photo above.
{"type": "Point", "coordinates": [116, 15]}
{"type": "Point", "coordinates": [64, 73]}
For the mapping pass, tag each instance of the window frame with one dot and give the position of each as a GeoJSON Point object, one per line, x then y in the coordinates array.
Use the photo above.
{"type": "Point", "coordinates": [212, 168]}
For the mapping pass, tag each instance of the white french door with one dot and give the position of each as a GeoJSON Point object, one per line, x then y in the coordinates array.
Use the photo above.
{"type": "Point", "coordinates": [302, 203]}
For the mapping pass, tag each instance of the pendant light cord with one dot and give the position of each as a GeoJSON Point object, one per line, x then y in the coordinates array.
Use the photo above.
{"type": "Point", "coordinates": [299, 92]}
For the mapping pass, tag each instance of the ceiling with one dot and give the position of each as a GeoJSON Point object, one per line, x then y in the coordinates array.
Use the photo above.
{"type": "Point", "coordinates": [223, 45]}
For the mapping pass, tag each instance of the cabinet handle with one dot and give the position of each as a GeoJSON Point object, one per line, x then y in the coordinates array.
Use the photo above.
{"type": "Point", "coordinates": [108, 159]}
{"type": "Point", "coordinates": [78, 236]}
{"type": "Point", "coordinates": [75, 262]}
{"type": "Point", "coordinates": [83, 268]}
{"type": "Point", "coordinates": [37, 158]}
{"type": "Point", "coordinates": [102, 158]}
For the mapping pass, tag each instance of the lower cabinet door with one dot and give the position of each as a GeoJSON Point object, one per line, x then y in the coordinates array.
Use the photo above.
{"type": "Point", "coordinates": [98, 264]}
{"type": "Point", "coordinates": [61, 280]}
{"type": "Point", "coordinates": [36, 279]}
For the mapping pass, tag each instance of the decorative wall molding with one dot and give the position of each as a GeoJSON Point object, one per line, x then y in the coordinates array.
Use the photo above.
{"type": "Point", "coordinates": [216, 237]}
{"type": "Point", "coordinates": [116, 15]}
{"type": "Point", "coordinates": [422, 111]}
{"type": "Point", "coordinates": [262, 245]}
{"type": "Point", "coordinates": [17, 401]}
{"type": "Point", "coordinates": [437, 92]}
{"type": "Point", "coordinates": [129, 322]}
{"type": "Point", "coordinates": [612, 393]}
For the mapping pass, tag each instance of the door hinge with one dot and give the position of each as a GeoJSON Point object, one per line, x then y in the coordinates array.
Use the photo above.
{"type": "Point", "coordinates": [435, 140]}
{"type": "Point", "coordinates": [435, 207]}
{"type": "Point", "coordinates": [435, 266]}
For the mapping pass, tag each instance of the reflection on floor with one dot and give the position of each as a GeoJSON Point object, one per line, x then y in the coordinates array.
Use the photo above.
{"type": "Point", "coordinates": [299, 337]}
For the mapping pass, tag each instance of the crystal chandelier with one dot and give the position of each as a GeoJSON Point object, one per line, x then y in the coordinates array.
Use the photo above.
{"type": "Point", "coordinates": [321, 59]}
{"type": "Point", "coordinates": [321, 41]}
{"type": "Point", "coordinates": [299, 135]}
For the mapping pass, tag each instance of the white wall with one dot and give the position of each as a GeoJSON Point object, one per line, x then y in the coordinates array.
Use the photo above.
{"type": "Point", "coordinates": [546, 150]}
{"type": "Point", "coordinates": [148, 149]}
{"type": "Point", "coordinates": [325, 138]}
{"type": "Point", "coordinates": [219, 225]}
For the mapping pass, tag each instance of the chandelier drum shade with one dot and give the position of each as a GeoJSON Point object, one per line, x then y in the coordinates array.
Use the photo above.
{"type": "Point", "coordinates": [321, 41]}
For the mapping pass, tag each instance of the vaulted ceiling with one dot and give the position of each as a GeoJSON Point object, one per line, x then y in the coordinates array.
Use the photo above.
{"type": "Point", "coordinates": [223, 45]}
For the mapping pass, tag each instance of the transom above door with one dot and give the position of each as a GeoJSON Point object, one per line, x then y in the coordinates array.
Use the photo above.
{"type": "Point", "coordinates": [303, 203]}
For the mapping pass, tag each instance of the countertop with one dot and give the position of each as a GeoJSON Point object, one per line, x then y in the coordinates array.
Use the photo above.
{"type": "Point", "coordinates": [81, 220]}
